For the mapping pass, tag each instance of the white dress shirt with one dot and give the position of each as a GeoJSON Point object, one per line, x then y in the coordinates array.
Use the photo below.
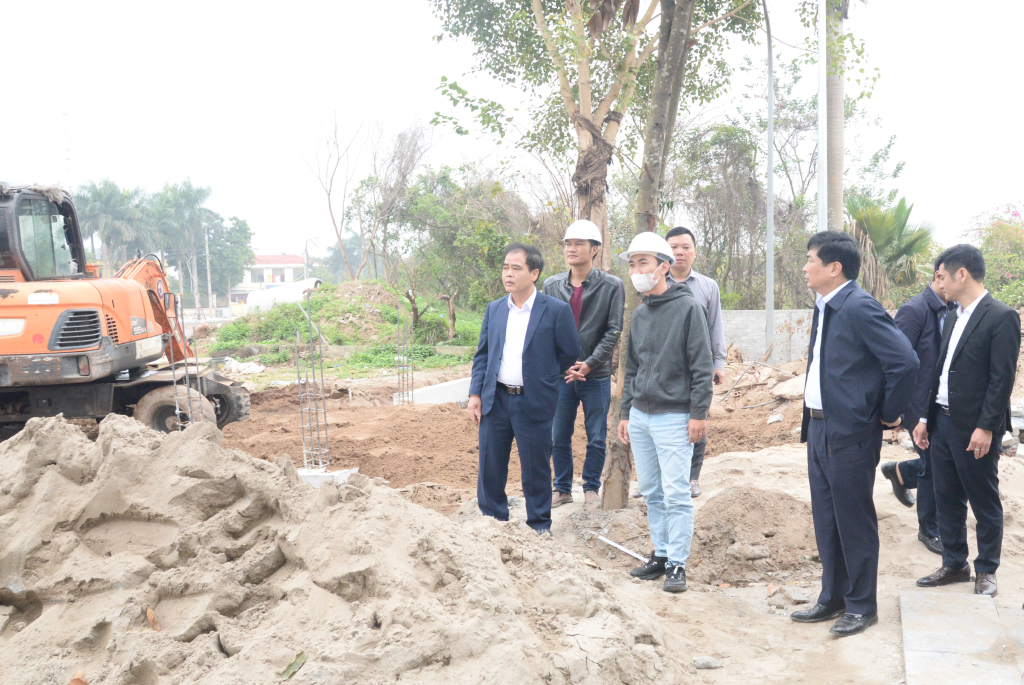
{"type": "Point", "coordinates": [812, 387]}
{"type": "Point", "coordinates": [511, 370]}
{"type": "Point", "coordinates": [962, 317]}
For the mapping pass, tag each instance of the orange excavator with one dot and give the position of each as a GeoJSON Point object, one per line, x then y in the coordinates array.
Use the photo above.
{"type": "Point", "coordinates": [75, 344]}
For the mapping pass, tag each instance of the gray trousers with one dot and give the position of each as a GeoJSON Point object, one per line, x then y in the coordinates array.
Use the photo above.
{"type": "Point", "coordinates": [698, 458]}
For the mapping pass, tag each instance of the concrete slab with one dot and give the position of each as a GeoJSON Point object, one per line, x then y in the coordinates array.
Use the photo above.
{"type": "Point", "coordinates": [452, 391]}
{"type": "Point", "coordinates": [951, 637]}
{"type": "Point", "coordinates": [317, 477]}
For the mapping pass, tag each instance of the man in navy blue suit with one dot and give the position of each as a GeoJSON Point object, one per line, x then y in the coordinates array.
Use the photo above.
{"type": "Point", "coordinates": [860, 376]}
{"type": "Point", "coordinates": [921, 320]}
{"type": "Point", "coordinates": [527, 342]}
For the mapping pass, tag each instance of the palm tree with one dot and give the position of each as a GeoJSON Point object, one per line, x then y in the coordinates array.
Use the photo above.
{"type": "Point", "coordinates": [116, 215]}
{"type": "Point", "coordinates": [894, 249]}
{"type": "Point", "coordinates": [179, 216]}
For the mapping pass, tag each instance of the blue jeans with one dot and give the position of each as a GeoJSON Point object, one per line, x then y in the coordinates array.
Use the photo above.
{"type": "Point", "coordinates": [662, 451]}
{"type": "Point", "coordinates": [596, 396]}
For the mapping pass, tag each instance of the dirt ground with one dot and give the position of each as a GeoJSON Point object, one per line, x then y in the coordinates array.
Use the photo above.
{"type": "Point", "coordinates": [753, 559]}
{"type": "Point", "coordinates": [437, 444]}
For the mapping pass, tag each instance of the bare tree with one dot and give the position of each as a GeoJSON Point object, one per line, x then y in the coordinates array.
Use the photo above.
{"type": "Point", "coordinates": [380, 197]}
{"type": "Point", "coordinates": [329, 159]}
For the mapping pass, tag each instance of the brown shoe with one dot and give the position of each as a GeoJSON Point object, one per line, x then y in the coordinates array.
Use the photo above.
{"type": "Point", "coordinates": [946, 576]}
{"type": "Point", "coordinates": [560, 498]}
{"type": "Point", "coordinates": [985, 585]}
{"type": "Point", "coordinates": [591, 497]}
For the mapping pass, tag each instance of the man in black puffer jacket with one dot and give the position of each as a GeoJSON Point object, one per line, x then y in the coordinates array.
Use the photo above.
{"type": "Point", "coordinates": [597, 300]}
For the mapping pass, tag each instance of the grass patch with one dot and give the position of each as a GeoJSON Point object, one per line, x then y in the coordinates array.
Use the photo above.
{"type": "Point", "coordinates": [347, 318]}
{"type": "Point", "coordinates": [385, 357]}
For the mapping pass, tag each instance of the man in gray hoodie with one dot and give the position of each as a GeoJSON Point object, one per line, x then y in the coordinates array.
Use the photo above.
{"type": "Point", "coordinates": [667, 388]}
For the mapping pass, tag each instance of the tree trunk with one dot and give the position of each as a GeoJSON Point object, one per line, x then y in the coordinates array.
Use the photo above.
{"type": "Point", "coordinates": [835, 114]}
{"type": "Point", "coordinates": [450, 299]}
{"type": "Point", "coordinates": [409, 295]}
{"type": "Point", "coordinates": [106, 257]}
{"type": "Point", "coordinates": [590, 180]}
{"type": "Point", "coordinates": [676, 21]}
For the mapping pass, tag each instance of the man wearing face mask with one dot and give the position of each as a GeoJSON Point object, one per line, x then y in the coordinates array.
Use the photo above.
{"type": "Point", "coordinates": [666, 395]}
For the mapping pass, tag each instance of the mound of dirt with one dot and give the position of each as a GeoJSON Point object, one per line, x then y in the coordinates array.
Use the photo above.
{"type": "Point", "coordinates": [145, 559]}
{"type": "Point", "coordinates": [745, 535]}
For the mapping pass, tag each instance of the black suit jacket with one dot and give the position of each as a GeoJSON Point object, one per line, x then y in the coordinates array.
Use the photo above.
{"type": "Point", "coordinates": [919, 321]}
{"type": "Point", "coordinates": [867, 368]}
{"type": "Point", "coordinates": [982, 370]}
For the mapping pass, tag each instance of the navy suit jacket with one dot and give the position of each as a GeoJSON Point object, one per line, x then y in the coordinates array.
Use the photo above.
{"type": "Point", "coordinates": [552, 346]}
{"type": "Point", "coordinates": [867, 368]}
{"type": "Point", "coordinates": [919, 321]}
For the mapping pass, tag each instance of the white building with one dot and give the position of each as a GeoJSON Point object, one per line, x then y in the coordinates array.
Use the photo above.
{"type": "Point", "coordinates": [268, 271]}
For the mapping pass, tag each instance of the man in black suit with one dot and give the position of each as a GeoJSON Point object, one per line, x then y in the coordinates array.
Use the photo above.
{"type": "Point", "coordinates": [967, 416]}
{"type": "Point", "coordinates": [921, 320]}
{"type": "Point", "coordinates": [860, 375]}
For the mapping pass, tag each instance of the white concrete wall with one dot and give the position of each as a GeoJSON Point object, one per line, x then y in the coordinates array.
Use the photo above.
{"type": "Point", "coordinates": [452, 391]}
{"type": "Point", "coordinates": [745, 328]}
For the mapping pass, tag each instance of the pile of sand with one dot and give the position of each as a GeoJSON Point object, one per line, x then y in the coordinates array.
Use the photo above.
{"type": "Point", "coordinates": [244, 568]}
{"type": "Point", "coordinates": [746, 535]}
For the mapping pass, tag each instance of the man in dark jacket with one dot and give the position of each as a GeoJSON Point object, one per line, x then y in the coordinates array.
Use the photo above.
{"type": "Point", "coordinates": [921, 320]}
{"type": "Point", "coordinates": [666, 395]}
{"type": "Point", "coordinates": [968, 412]}
{"type": "Point", "coordinates": [597, 300]}
{"type": "Point", "coordinates": [860, 376]}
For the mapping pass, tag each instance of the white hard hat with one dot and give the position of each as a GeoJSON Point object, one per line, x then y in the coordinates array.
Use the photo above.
{"type": "Point", "coordinates": [650, 243]}
{"type": "Point", "coordinates": [581, 229]}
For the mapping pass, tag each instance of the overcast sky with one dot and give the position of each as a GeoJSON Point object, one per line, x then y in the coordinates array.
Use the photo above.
{"type": "Point", "coordinates": [236, 96]}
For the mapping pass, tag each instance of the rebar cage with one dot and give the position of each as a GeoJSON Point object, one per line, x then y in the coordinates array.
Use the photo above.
{"type": "Point", "coordinates": [316, 453]}
{"type": "Point", "coordinates": [404, 358]}
{"type": "Point", "coordinates": [193, 400]}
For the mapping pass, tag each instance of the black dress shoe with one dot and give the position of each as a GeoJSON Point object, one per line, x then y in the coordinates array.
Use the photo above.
{"type": "Point", "coordinates": [851, 624]}
{"type": "Point", "coordinates": [817, 614]}
{"type": "Point", "coordinates": [985, 585]}
{"type": "Point", "coordinates": [933, 544]}
{"type": "Point", "coordinates": [902, 493]}
{"type": "Point", "coordinates": [946, 576]}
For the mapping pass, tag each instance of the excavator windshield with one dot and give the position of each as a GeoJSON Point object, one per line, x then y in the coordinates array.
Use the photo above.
{"type": "Point", "coordinates": [43, 239]}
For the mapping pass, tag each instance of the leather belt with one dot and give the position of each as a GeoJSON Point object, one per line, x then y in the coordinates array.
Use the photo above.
{"type": "Point", "coordinates": [945, 410]}
{"type": "Point", "coordinates": [817, 414]}
{"type": "Point", "coordinates": [511, 389]}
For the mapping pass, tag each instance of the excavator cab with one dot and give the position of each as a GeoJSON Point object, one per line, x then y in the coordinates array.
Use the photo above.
{"type": "Point", "coordinates": [84, 346]}
{"type": "Point", "coordinates": [40, 238]}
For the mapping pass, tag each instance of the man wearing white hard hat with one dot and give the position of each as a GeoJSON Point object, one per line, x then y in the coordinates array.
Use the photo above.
{"type": "Point", "coordinates": [598, 301]}
{"type": "Point", "coordinates": [666, 396]}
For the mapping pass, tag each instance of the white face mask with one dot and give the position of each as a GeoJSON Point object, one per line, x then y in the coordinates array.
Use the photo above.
{"type": "Point", "coordinates": [644, 282]}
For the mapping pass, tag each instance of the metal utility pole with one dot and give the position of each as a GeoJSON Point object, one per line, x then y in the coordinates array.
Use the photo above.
{"type": "Point", "coordinates": [769, 281]}
{"type": "Point", "coordinates": [822, 115]}
{"type": "Point", "coordinates": [305, 261]}
{"type": "Point", "coordinates": [209, 283]}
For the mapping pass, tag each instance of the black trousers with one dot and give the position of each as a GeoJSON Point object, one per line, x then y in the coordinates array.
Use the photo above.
{"type": "Point", "coordinates": [698, 458]}
{"type": "Point", "coordinates": [917, 473]}
{"type": "Point", "coordinates": [845, 523]}
{"type": "Point", "coordinates": [959, 479]}
{"type": "Point", "coordinates": [507, 420]}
